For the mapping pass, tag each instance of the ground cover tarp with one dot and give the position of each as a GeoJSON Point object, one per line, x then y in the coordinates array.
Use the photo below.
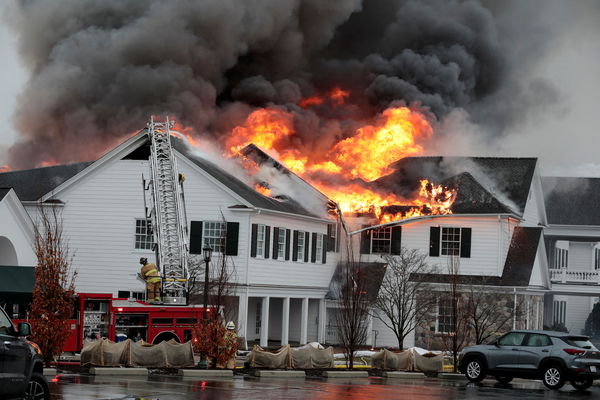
{"type": "Point", "coordinates": [408, 360]}
{"type": "Point", "coordinates": [106, 353]}
{"type": "Point", "coordinates": [306, 357]}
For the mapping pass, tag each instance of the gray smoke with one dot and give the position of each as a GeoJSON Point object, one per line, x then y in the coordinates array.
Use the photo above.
{"type": "Point", "coordinates": [98, 70]}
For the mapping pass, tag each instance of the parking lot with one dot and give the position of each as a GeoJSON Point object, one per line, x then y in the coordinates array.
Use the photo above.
{"type": "Point", "coordinates": [80, 387]}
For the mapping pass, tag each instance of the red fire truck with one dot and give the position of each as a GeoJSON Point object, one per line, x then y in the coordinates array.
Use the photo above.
{"type": "Point", "coordinates": [102, 316]}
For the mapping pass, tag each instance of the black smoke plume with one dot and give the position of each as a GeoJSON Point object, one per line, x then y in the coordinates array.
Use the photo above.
{"type": "Point", "coordinates": [99, 69]}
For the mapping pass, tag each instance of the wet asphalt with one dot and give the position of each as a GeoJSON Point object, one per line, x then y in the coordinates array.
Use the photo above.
{"type": "Point", "coordinates": [81, 387]}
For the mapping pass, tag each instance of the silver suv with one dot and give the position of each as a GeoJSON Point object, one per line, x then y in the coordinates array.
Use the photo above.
{"type": "Point", "coordinates": [553, 357]}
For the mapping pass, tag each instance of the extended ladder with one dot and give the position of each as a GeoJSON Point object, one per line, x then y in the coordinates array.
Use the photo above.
{"type": "Point", "coordinates": [167, 214]}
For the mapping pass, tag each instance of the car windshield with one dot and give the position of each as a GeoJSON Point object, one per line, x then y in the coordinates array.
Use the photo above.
{"type": "Point", "coordinates": [580, 341]}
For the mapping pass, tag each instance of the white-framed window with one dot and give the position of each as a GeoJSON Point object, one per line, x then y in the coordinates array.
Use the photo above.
{"type": "Point", "coordinates": [332, 245]}
{"type": "Point", "coordinates": [561, 254]}
{"type": "Point", "coordinates": [450, 241]}
{"type": "Point", "coordinates": [559, 312]}
{"type": "Point", "coordinates": [260, 240]}
{"type": "Point", "coordinates": [381, 240]}
{"type": "Point", "coordinates": [213, 235]}
{"type": "Point", "coordinates": [281, 243]}
{"type": "Point", "coordinates": [445, 319]}
{"type": "Point", "coordinates": [143, 234]}
{"type": "Point", "coordinates": [319, 248]}
{"type": "Point", "coordinates": [596, 258]}
{"type": "Point", "coordinates": [301, 245]}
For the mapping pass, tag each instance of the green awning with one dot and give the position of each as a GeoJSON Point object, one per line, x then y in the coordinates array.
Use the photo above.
{"type": "Point", "coordinates": [16, 283]}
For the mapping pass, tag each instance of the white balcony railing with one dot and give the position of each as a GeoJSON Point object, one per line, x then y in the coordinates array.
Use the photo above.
{"type": "Point", "coordinates": [563, 275]}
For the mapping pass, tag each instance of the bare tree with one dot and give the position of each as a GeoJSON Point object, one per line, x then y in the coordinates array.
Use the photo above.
{"type": "Point", "coordinates": [460, 332]}
{"type": "Point", "coordinates": [52, 303]}
{"type": "Point", "coordinates": [491, 312]}
{"type": "Point", "coordinates": [354, 303]}
{"type": "Point", "coordinates": [404, 299]}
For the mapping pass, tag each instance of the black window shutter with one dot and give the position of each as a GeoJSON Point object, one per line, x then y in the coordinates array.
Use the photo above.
{"type": "Point", "coordinates": [288, 243]}
{"type": "Point", "coordinates": [196, 237]}
{"type": "Point", "coordinates": [365, 241]}
{"type": "Point", "coordinates": [338, 239]}
{"type": "Point", "coordinates": [313, 251]}
{"type": "Point", "coordinates": [306, 243]}
{"type": "Point", "coordinates": [295, 247]}
{"type": "Point", "coordinates": [324, 251]}
{"type": "Point", "coordinates": [434, 241]}
{"type": "Point", "coordinates": [253, 240]}
{"type": "Point", "coordinates": [465, 242]}
{"type": "Point", "coordinates": [233, 234]}
{"type": "Point", "coordinates": [396, 240]}
{"type": "Point", "coordinates": [275, 242]}
{"type": "Point", "coordinates": [330, 239]}
{"type": "Point", "coordinates": [267, 240]}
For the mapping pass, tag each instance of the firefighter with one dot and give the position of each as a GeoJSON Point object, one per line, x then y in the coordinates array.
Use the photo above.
{"type": "Point", "coordinates": [231, 344]}
{"type": "Point", "coordinates": [150, 274]}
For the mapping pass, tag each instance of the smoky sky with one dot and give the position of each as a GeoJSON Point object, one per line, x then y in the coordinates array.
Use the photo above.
{"type": "Point", "coordinates": [99, 70]}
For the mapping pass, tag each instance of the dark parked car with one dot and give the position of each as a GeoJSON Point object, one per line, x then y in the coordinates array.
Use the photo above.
{"type": "Point", "coordinates": [21, 365]}
{"type": "Point", "coordinates": [553, 357]}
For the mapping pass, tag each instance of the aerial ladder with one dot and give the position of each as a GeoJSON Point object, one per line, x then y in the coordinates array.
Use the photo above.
{"type": "Point", "coordinates": [167, 214]}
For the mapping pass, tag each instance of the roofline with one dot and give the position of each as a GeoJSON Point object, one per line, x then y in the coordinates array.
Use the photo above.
{"type": "Point", "coordinates": [302, 216]}
{"type": "Point", "coordinates": [122, 148]}
{"type": "Point", "coordinates": [582, 227]}
{"type": "Point", "coordinates": [27, 225]}
{"type": "Point", "coordinates": [427, 217]}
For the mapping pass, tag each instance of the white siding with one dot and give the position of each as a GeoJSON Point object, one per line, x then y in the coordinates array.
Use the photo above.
{"type": "Point", "coordinates": [580, 256]}
{"type": "Point", "coordinates": [487, 236]}
{"type": "Point", "coordinates": [578, 309]}
{"type": "Point", "coordinates": [16, 236]}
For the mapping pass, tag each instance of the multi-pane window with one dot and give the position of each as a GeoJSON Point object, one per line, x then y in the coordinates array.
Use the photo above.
{"type": "Point", "coordinates": [559, 312]}
{"type": "Point", "coordinates": [381, 240]}
{"type": "Point", "coordinates": [214, 235]}
{"type": "Point", "coordinates": [596, 258]}
{"type": "Point", "coordinates": [445, 318]}
{"type": "Point", "coordinates": [143, 234]}
{"type": "Point", "coordinates": [260, 241]}
{"type": "Point", "coordinates": [333, 235]}
{"type": "Point", "coordinates": [281, 244]}
{"type": "Point", "coordinates": [561, 258]}
{"type": "Point", "coordinates": [450, 241]}
{"type": "Point", "coordinates": [301, 246]}
{"type": "Point", "coordinates": [319, 248]}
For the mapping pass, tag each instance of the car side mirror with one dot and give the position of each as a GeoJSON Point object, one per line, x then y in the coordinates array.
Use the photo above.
{"type": "Point", "coordinates": [24, 329]}
{"type": "Point", "coordinates": [496, 344]}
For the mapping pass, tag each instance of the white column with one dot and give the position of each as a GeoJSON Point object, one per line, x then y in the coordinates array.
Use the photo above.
{"type": "Point", "coordinates": [304, 321]}
{"type": "Point", "coordinates": [264, 322]}
{"type": "Point", "coordinates": [285, 321]}
{"type": "Point", "coordinates": [242, 324]}
{"type": "Point", "coordinates": [322, 320]}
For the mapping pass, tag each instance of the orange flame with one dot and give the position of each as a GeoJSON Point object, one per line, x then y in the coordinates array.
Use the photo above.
{"type": "Point", "coordinates": [262, 190]}
{"type": "Point", "coordinates": [4, 168]}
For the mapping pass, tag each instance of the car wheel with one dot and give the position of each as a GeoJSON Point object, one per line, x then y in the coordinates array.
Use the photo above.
{"type": "Point", "coordinates": [475, 370]}
{"type": "Point", "coordinates": [504, 379]}
{"type": "Point", "coordinates": [37, 388]}
{"type": "Point", "coordinates": [553, 377]}
{"type": "Point", "coordinates": [581, 382]}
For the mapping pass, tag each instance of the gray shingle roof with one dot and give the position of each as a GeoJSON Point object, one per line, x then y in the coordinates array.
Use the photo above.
{"type": "Point", "coordinates": [371, 272]}
{"type": "Point", "coordinates": [32, 184]}
{"type": "Point", "coordinates": [572, 201]}
{"type": "Point", "coordinates": [240, 188]}
{"type": "Point", "coordinates": [485, 185]}
{"type": "Point", "coordinates": [3, 192]}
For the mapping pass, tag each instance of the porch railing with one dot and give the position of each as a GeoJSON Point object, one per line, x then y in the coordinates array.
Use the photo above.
{"type": "Point", "coordinates": [563, 275]}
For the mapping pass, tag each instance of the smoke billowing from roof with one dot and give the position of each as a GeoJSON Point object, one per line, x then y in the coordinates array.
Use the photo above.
{"type": "Point", "coordinates": [99, 69]}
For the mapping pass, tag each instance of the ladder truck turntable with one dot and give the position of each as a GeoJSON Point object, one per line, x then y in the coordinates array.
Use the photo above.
{"type": "Point", "coordinates": [101, 315]}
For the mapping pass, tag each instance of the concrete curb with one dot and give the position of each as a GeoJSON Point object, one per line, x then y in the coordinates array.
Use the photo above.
{"type": "Point", "coordinates": [49, 372]}
{"type": "Point", "coordinates": [119, 371]}
{"type": "Point", "coordinates": [206, 373]}
{"type": "Point", "coordinates": [265, 373]}
{"type": "Point", "coordinates": [345, 374]}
